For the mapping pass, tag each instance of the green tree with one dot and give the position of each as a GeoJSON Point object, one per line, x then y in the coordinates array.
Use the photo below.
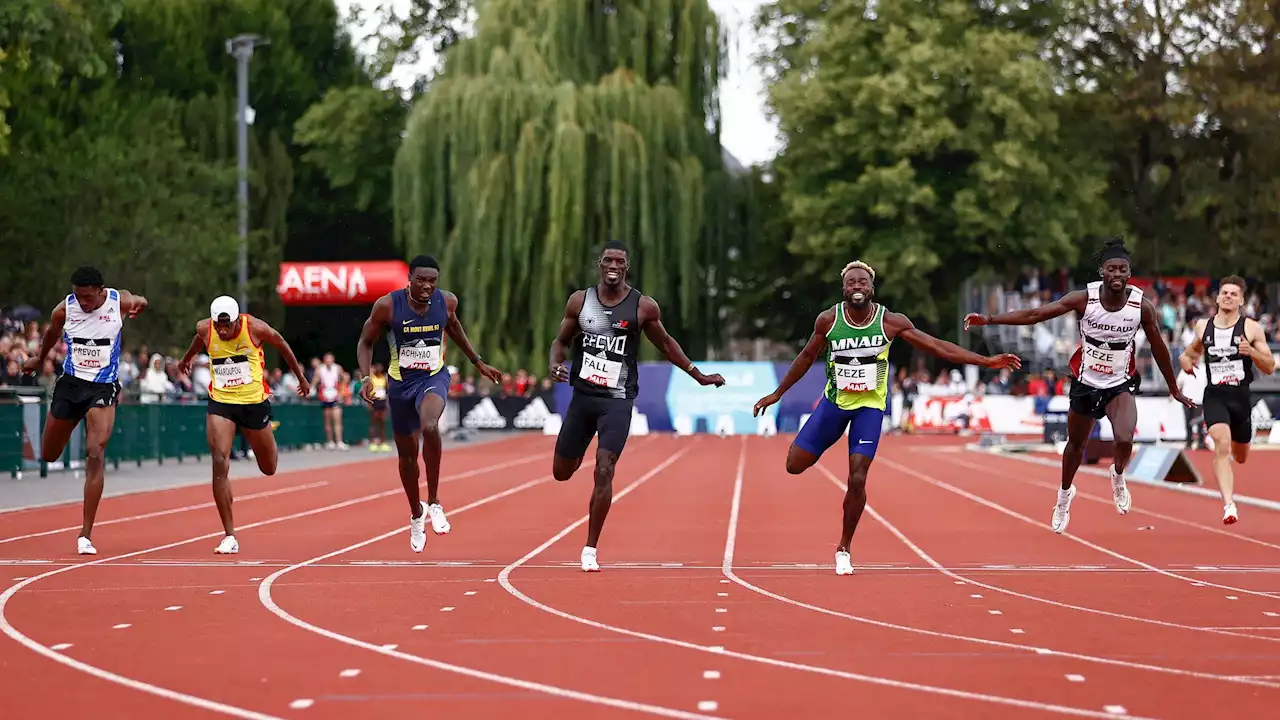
{"type": "Point", "coordinates": [559, 125]}
{"type": "Point", "coordinates": [923, 137]}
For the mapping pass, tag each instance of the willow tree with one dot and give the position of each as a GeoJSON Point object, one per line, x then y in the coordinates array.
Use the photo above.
{"type": "Point", "coordinates": [558, 125]}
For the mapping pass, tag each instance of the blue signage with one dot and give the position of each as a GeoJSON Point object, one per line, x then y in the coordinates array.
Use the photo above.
{"type": "Point", "coordinates": [744, 384]}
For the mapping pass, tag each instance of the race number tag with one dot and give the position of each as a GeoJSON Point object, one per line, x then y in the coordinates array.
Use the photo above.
{"type": "Point", "coordinates": [380, 393]}
{"type": "Point", "coordinates": [600, 371]}
{"type": "Point", "coordinates": [1106, 361]}
{"type": "Point", "coordinates": [1226, 372]}
{"type": "Point", "coordinates": [232, 375]}
{"type": "Point", "coordinates": [855, 378]}
{"type": "Point", "coordinates": [90, 357]}
{"type": "Point", "coordinates": [420, 357]}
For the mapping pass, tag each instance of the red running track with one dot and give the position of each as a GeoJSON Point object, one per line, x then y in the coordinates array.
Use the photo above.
{"type": "Point", "coordinates": [717, 596]}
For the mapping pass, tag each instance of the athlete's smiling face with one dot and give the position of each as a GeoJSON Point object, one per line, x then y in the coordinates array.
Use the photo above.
{"type": "Point", "coordinates": [1115, 274]}
{"type": "Point", "coordinates": [90, 297]}
{"type": "Point", "coordinates": [858, 289]}
{"type": "Point", "coordinates": [422, 283]}
{"type": "Point", "coordinates": [613, 267]}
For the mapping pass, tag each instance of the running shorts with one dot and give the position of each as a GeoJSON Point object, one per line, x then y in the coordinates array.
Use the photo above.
{"type": "Point", "coordinates": [591, 415]}
{"type": "Point", "coordinates": [74, 397]}
{"type": "Point", "coordinates": [1091, 401]}
{"type": "Point", "coordinates": [828, 423]}
{"type": "Point", "coordinates": [253, 416]}
{"type": "Point", "coordinates": [404, 400]}
{"type": "Point", "coordinates": [1230, 406]}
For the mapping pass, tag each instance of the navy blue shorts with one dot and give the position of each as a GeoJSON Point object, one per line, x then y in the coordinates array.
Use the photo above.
{"type": "Point", "coordinates": [828, 422]}
{"type": "Point", "coordinates": [404, 397]}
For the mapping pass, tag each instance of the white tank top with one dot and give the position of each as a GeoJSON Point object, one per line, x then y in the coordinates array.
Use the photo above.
{"type": "Point", "coordinates": [327, 378]}
{"type": "Point", "coordinates": [93, 340]}
{"type": "Point", "coordinates": [1105, 358]}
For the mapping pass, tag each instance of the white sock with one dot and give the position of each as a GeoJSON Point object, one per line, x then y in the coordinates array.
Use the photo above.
{"type": "Point", "coordinates": [1063, 495]}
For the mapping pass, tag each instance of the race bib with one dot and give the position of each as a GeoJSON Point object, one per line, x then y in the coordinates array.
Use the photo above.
{"type": "Point", "coordinates": [232, 375]}
{"type": "Point", "coordinates": [329, 394]}
{"type": "Point", "coordinates": [1226, 372]}
{"type": "Point", "coordinates": [600, 371]}
{"type": "Point", "coordinates": [420, 357]}
{"type": "Point", "coordinates": [1106, 361]}
{"type": "Point", "coordinates": [380, 393]}
{"type": "Point", "coordinates": [88, 356]}
{"type": "Point", "coordinates": [855, 378]}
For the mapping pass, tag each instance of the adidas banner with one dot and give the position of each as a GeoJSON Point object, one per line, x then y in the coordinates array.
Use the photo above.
{"type": "Point", "coordinates": [505, 413]}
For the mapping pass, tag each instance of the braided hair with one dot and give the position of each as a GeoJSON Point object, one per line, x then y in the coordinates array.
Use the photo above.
{"type": "Point", "coordinates": [1112, 249]}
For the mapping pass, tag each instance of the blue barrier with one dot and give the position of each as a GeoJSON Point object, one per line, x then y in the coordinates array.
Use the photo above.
{"type": "Point", "coordinates": [666, 392]}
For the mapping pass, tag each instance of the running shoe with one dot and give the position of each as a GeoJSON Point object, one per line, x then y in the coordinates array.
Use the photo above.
{"type": "Point", "coordinates": [844, 565]}
{"type": "Point", "coordinates": [1120, 492]}
{"type": "Point", "coordinates": [1062, 510]}
{"type": "Point", "coordinates": [418, 530]}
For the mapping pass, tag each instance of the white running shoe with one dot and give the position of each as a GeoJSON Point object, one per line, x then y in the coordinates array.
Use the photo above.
{"type": "Point", "coordinates": [1120, 492]}
{"type": "Point", "coordinates": [418, 530]}
{"type": "Point", "coordinates": [228, 546]}
{"type": "Point", "coordinates": [84, 547]}
{"type": "Point", "coordinates": [1229, 514]}
{"type": "Point", "coordinates": [439, 523]}
{"type": "Point", "coordinates": [1062, 510]}
{"type": "Point", "coordinates": [844, 566]}
{"type": "Point", "coordinates": [589, 563]}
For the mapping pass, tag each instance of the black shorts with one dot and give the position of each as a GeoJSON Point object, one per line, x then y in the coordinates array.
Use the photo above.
{"type": "Point", "coordinates": [73, 398]}
{"type": "Point", "coordinates": [589, 415]}
{"type": "Point", "coordinates": [250, 417]}
{"type": "Point", "coordinates": [1087, 400]}
{"type": "Point", "coordinates": [1230, 406]}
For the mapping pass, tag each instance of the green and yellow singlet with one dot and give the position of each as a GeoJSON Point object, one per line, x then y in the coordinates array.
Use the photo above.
{"type": "Point", "coordinates": [857, 362]}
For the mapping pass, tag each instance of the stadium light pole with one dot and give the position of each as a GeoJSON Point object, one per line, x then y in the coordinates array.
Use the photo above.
{"type": "Point", "coordinates": [241, 48]}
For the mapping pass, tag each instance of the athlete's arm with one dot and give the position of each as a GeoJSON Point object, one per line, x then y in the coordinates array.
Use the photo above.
{"type": "Point", "coordinates": [260, 332]}
{"type": "Point", "coordinates": [897, 325]}
{"type": "Point", "coordinates": [454, 328]}
{"type": "Point", "coordinates": [1074, 300]}
{"type": "Point", "coordinates": [375, 326]}
{"type": "Point", "coordinates": [1193, 352]}
{"type": "Point", "coordinates": [197, 344]}
{"type": "Point", "coordinates": [568, 329]}
{"type": "Point", "coordinates": [1263, 359]}
{"type": "Point", "coordinates": [53, 333]}
{"type": "Point", "coordinates": [1160, 351]}
{"type": "Point", "coordinates": [812, 349]}
{"type": "Point", "coordinates": [651, 323]}
{"type": "Point", "coordinates": [130, 304]}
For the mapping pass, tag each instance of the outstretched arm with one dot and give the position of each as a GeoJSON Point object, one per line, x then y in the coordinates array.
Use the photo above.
{"type": "Point", "coordinates": [812, 349]}
{"type": "Point", "coordinates": [651, 323]}
{"type": "Point", "coordinates": [197, 344]}
{"type": "Point", "coordinates": [1160, 350]}
{"type": "Point", "coordinates": [1074, 300]}
{"type": "Point", "coordinates": [132, 305]}
{"type": "Point", "coordinates": [568, 329]}
{"type": "Point", "coordinates": [53, 333]}
{"type": "Point", "coordinates": [897, 325]}
{"type": "Point", "coordinates": [458, 335]}
{"type": "Point", "coordinates": [1263, 359]}
{"type": "Point", "coordinates": [1192, 353]}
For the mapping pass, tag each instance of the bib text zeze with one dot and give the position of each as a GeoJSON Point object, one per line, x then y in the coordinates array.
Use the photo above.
{"type": "Point", "coordinates": [1107, 362]}
{"type": "Point", "coordinates": [854, 378]}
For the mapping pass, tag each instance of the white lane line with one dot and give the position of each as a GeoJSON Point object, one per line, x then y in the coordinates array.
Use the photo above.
{"type": "Point", "coordinates": [469, 592]}
{"type": "Point", "coordinates": [193, 700]}
{"type": "Point", "coordinates": [389, 647]}
{"type": "Point", "coordinates": [722, 594]}
{"type": "Point", "coordinates": [447, 609]}
{"type": "Point", "coordinates": [172, 608]}
{"type": "Point", "coordinates": [994, 612]}
{"type": "Point", "coordinates": [302, 703]}
{"type": "Point", "coordinates": [349, 673]}
{"type": "Point", "coordinates": [1017, 631]}
{"type": "Point", "coordinates": [217, 592]}
{"type": "Point", "coordinates": [419, 627]}
{"type": "Point", "coordinates": [708, 705]}
{"type": "Point", "coordinates": [730, 540]}
{"type": "Point", "coordinates": [162, 513]}
{"type": "Point", "coordinates": [1115, 709]}
{"type": "Point", "coordinates": [1076, 678]}
{"type": "Point", "coordinates": [121, 626]}
{"type": "Point", "coordinates": [722, 610]}
{"type": "Point", "coordinates": [61, 646]}
{"type": "Point", "coordinates": [717, 628]}
{"type": "Point", "coordinates": [710, 674]}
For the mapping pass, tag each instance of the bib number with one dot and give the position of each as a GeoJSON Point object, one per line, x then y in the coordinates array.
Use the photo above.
{"type": "Point", "coordinates": [379, 393]}
{"type": "Point", "coordinates": [90, 357]}
{"type": "Point", "coordinates": [600, 371]}
{"type": "Point", "coordinates": [420, 357]}
{"type": "Point", "coordinates": [1226, 372]}
{"type": "Point", "coordinates": [1105, 361]}
{"type": "Point", "coordinates": [855, 378]}
{"type": "Point", "coordinates": [232, 375]}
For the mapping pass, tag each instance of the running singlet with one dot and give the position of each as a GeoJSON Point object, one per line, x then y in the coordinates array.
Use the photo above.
{"type": "Point", "coordinates": [417, 341]}
{"type": "Point", "coordinates": [857, 362]}
{"type": "Point", "coordinates": [327, 377]}
{"type": "Point", "coordinates": [93, 340]}
{"type": "Point", "coordinates": [238, 366]}
{"type": "Point", "coordinates": [1104, 358]}
{"type": "Point", "coordinates": [1226, 366]}
{"type": "Point", "coordinates": [605, 351]}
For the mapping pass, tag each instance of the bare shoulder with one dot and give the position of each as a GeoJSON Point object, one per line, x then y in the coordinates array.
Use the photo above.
{"type": "Point", "coordinates": [576, 300]}
{"type": "Point", "coordinates": [825, 321]}
{"type": "Point", "coordinates": [450, 300]}
{"type": "Point", "coordinates": [1252, 329]}
{"type": "Point", "coordinates": [1075, 300]}
{"type": "Point", "coordinates": [202, 326]}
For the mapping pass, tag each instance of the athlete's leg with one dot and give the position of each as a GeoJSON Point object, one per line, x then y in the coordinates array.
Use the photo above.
{"type": "Point", "coordinates": [574, 438]}
{"type": "Point", "coordinates": [864, 439]}
{"type": "Point", "coordinates": [98, 424]}
{"type": "Point", "coordinates": [1123, 413]}
{"type": "Point", "coordinates": [613, 429]}
{"type": "Point", "coordinates": [429, 411]}
{"type": "Point", "coordinates": [1079, 427]}
{"type": "Point", "coordinates": [57, 433]}
{"type": "Point", "coordinates": [1221, 434]}
{"type": "Point", "coordinates": [405, 422]}
{"type": "Point", "coordinates": [825, 426]}
{"type": "Point", "coordinates": [262, 438]}
{"type": "Point", "coordinates": [220, 431]}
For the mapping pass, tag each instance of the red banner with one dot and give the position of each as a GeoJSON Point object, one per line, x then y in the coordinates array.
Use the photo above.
{"type": "Point", "coordinates": [340, 283]}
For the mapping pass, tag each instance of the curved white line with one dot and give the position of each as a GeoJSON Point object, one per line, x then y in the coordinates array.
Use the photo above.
{"type": "Point", "coordinates": [1014, 514]}
{"type": "Point", "coordinates": [1035, 598]}
{"type": "Point", "coordinates": [727, 569]}
{"type": "Point", "coordinates": [505, 581]}
{"type": "Point", "coordinates": [8, 629]}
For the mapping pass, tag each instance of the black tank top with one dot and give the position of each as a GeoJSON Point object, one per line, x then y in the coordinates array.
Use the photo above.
{"type": "Point", "coordinates": [605, 351]}
{"type": "Point", "coordinates": [1227, 368]}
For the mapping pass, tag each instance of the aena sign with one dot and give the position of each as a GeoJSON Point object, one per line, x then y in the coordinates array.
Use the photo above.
{"type": "Point", "coordinates": [340, 283]}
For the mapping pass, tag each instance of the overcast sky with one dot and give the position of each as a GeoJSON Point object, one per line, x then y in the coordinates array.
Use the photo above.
{"type": "Point", "coordinates": [747, 134]}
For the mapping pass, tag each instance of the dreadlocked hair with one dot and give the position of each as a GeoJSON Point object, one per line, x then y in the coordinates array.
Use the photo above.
{"type": "Point", "coordinates": [1111, 249]}
{"type": "Point", "coordinates": [861, 266]}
